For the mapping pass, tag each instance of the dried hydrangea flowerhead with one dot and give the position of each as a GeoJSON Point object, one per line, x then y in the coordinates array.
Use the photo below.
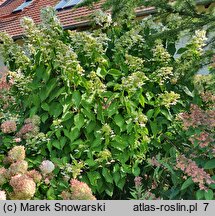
{"type": "Point", "coordinates": [3, 176]}
{"type": "Point", "coordinates": [17, 153]}
{"type": "Point", "coordinates": [35, 120]}
{"type": "Point", "coordinates": [24, 187]}
{"type": "Point", "coordinates": [35, 175]}
{"type": "Point", "coordinates": [8, 126]}
{"type": "Point", "coordinates": [19, 167]}
{"type": "Point", "coordinates": [2, 195]}
{"type": "Point", "coordinates": [47, 167]}
{"type": "Point", "coordinates": [79, 191]}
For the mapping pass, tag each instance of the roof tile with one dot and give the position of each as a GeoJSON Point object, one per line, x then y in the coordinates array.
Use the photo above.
{"type": "Point", "coordinates": [10, 22]}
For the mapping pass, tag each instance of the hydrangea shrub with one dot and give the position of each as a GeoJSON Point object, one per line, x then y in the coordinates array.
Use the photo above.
{"type": "Point", "coordinates": [107, 101]}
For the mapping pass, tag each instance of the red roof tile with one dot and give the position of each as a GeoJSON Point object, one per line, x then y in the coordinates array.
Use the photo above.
{"type": "Point", "coordinates": [10, 22]}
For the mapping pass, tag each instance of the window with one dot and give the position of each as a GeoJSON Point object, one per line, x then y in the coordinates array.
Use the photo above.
{"type": "Point", "coordinates": [67, 3]}
{"type": "Point", "coordinates": [25, 4]}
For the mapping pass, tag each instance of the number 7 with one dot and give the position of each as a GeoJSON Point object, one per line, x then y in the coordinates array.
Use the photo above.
{"type": "Point", "coordinates": [206, 205]}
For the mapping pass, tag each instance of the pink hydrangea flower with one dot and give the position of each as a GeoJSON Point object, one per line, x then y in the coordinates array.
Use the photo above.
{"type": "Point", "coordinates": [24, 187]}
{"type": "Point", "coordinates": [17, 139]}
{"type": "Point", "coordinates": [35, 175]}
{"type": "Point", "coordinates": [47, 167]}
{"type": "Point", "coordinates": [79, 191]}
{"type": "Point", "coordinates": [8, 126]}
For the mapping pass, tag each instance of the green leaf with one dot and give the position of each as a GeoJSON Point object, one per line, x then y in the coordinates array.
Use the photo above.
{"type": "Point", "coordinates": [121, 183]}
{"type": "Point", "coordinates": [209, 195]}
{"type": "Point", "coordinates": [36, 100]}
{"type": "Point", "coordinates": [93, 177]}
{"type": "Point", "coordinates": [44, 93]}
{"type": "Point", "coordinates": [56, 109]}
{"type": "Point", "coordinates": [112, 109]}
{"type": "Point", "coordinates": [171, 48]}
{"type": "Point", "coordinates": [76, 98]}
{"type": "Point", "coordinates": [44, 117]}
{"type": "Point", "coordinates": [90, 162]}
{"type": "Point", "coordinates": [66, 116]}
{"type": "Point", "coordinates": [107, 175]}
{"type": "Point", "coordinates": [89, 114]}
{"type": "Point", "coordinates": [150, 113]}
{"type": "Point", "coordinates": [119, 120]}
{"type": "Point", "coordinates": [187, 183]}
{"type": "Point", "coordinates": [74, 134]}
{"type": "Point", "coordinates": [115, 73]}
{"type": "Point", "coordinates": [187, 91]}
{"type": "Point", "coordinates": [101, 72]}
{"type": "Point", "coordinates": [62, 142]}
{"type": "Point", "coordinates": [142, 100]}
{"type": "Point", "coordinates": [50, 193]}
{"type": "Point", "coordinates": [33, 111]}
{"type": "Point", "coordinates": [210, 164]}
{"type": "Point", "coordinates": [181, 50]}
{"type": "Point", "coordinates": [45, 106]}
{"type": "Point", "coordinates": [167, 114]}
{"type": "Point", "coordinates": [56, 144]}
{"type": "Point", "coordinates": [49, 146]}
{"type": "Point", "coordinates": [79, 120]}
{"type": "Point", "coordinates": [116, 177]}
{"type": "Point", "coordinates": [199, 194]}
{"type": "Point", "coordinates": [40, 71]}
{"type": "Point", "coordinates": [90, 126]}
{"type": "Point", "coordinates": [109, 190]}
{"type": "Point", "coordinates": [136, 170]}
{"type": "Point", "coordinates": [154, 127]}
{"type": "Point", "coordinates": [56, 93]}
